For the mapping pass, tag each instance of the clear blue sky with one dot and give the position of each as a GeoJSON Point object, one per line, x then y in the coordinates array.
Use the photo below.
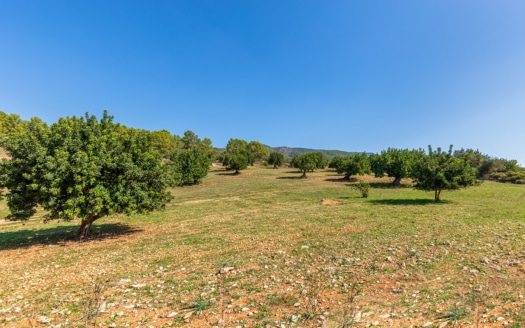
{"type": "Point", "coordinates": [347, 75]}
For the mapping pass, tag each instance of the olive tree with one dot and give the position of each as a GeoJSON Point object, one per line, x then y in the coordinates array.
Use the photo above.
{"type": "Point", "coordinates": [439, 170]}
{"type": "Point", "coordinates": [82, 168]}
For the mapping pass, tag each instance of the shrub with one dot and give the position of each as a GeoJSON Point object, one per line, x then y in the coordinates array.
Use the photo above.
{"type": "Point", "coordinates": [363, 187]}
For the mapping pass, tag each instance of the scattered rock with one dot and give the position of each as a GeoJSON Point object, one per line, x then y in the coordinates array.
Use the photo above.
{"type": "Point", "coordinates": [226, 270]}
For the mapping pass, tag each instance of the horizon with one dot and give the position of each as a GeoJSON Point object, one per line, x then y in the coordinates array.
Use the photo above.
{"type": "Point", "coordinates": [349, 76]}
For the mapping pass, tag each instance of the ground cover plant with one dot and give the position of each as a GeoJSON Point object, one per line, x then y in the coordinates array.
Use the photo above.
{"type": "Point", "coordinates": [267, 249]}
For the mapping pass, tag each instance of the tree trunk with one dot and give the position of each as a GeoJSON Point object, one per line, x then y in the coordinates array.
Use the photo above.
{"type": "Point", "coordinates": [346, 177]}
{"type": "Point", "coordinates": [304, 174]}
{"type": "Point", "coordinates": [85, 227]}
{"type": "Point", "coordinates": [397, 182]}
{"type": "Point", "coordinates": [437, 192]}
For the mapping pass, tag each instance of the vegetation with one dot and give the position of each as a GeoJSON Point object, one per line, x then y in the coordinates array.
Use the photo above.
{"type": "Point", "coordinates": [351, 165]}
{"type": "Point", "coordinates": [276, 159]}
{"type": "Point", "coordinates": [82, 168]}
{"type": "Point", "coordinates": [308, 162]}
{"type": "Point", "coordinates": [256, 249]}
{"type": "Point", "coordinates": [363, 187]}
{"type": "Point", "coordinates": [396, 163]}
{"type": "Point", "coordinates": [239, 154]}
{"type": "Point", "coordinates": [439, 170]}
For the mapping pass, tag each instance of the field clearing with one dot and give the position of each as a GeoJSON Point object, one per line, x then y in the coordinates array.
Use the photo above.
{"type": "Point", "coordinates": [265, 248]}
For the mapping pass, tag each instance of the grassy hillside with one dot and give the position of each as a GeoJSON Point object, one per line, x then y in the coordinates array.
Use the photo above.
{"type": "Point", "coordinates": [265, 248]}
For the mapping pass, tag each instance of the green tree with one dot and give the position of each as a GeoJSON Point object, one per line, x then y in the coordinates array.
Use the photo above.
{"type": "Point", "coordinates": [256, 151]}
{"type": "Point", "coordinates": [320, 160]}
{"type": "Point", "coordinates": [239, 151]}
{"type": "Point", "coordinates": [190, 140]}
{"type": "Point", "coordinates": [306, 163]}
{"type": "Point", "coordinates": [193, 165]}
{"type": "Point", "coordinates": [236, 161]}
{"type": "Point", "coordinates": [165, 143]}
{"type": "Point", "coordinates": [82, 168]}
{"type": "Point", "coordinates": [439, 170]}
{"type": "Point", "coordinates": [235, 146]}
{"type": "Point", "coordinates": [353, 165]}
{"type": "Point", "coordinates": [10, 124]}
{"type": "Point", "coordinates": [276, 159]}
{"type": "Point", "coordinates": [335, 162]}
{"type": "Point", "coordinates": [396, 163]}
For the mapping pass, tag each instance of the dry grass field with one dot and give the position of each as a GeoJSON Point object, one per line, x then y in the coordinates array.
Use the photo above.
{"type": "Point", "coordinates": [267, 249]}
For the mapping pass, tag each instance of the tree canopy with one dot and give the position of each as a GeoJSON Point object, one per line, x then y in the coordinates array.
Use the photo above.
{"type": "Point", "coordinates": [396, 163]}
{"type": "Point", "coordinates": [82, 168]}
{"type": "Point", "coordinates": [276, 159]}
{"type": "Point", "coordinates": [439, 170]}
{"type": "Point", "coordinates": [352, 165]}
{"type": "Point", "coordinates": [306, 162]}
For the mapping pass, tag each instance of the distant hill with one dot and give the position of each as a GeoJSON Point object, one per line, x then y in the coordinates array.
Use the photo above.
{"type": "Point", "coordinates": [294, 151]}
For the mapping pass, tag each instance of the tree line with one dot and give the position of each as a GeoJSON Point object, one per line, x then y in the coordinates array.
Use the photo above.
{"type": "Point", "coordinates": [86, 168]}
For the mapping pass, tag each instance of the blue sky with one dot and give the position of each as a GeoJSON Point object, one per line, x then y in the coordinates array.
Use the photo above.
{"type": "Point", "coordinates": [347, 75]}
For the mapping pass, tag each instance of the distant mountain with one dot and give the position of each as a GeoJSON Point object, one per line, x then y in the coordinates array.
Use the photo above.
{"type": "Point", "coordinates": [294, 151]}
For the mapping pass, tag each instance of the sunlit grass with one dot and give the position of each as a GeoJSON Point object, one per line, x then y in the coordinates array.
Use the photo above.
{"type": "Point", "coordinates": [395, 255]}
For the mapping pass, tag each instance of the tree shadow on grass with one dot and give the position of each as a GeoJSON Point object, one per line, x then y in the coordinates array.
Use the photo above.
{"type": "Point", "coordinates": [227, 173]}
{"type": "Point", "coordinates": [388, 185]}
{"type": "Point", "coordinates": [342, 179]}
{"type": "Point", "coordinates": [295, 177]}
{"type": "Point", "coordinates": [59, 236]}
{"type": "Point", "coordinates": [422, 201]}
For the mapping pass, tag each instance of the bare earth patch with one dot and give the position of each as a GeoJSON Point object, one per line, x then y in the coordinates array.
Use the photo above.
{"type": "Point", "coordinates": [330, 202]}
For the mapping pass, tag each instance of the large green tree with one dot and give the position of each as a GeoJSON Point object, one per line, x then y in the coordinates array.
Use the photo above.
{"type": "Point", "coordinates": [306, 162]}
{"type": "Point", "coordinates": [276, 159]}
{"type": "Point", "coordinates": [256, 152]}
{"type": "Point", "coordinates": [82, 168]}
{"type": "Point", "coordinates": [396, 163]}
{"type": "Point", "coordinates": [352, 165]}
{"type": "Point", "coordinates": [192, 165]}
{"type": "Point", "coordinates": [439, 170]}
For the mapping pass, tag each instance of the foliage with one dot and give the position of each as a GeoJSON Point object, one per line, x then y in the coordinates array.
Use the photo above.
{"type": "Point", "coordinates": [239, 151]}
{"type": "Point", "coordinates": [517, 177]}
{"type": "Point", "coordinates": [396, 163]}
{"type": "Point", "coordinates": [276, 159]}
{"type": "Point", "coordinates": [82, 168]}
{"type": "Point", "coordinates": [363, 187]}
{"type": "Point", "coordinates": [353, 165]}
{"type": "Point", "coordinates": [485, 165]}
{"type": "Point", "coordinates": [10, 124]}
{"type": "Point", "coordinates": [256, 152]}
{"type": "Point", "coordinates": [306, 163]}
{"type": "Point", "coordinates": [165, 143]}
{"type": "Point", "coordinates": [335, 162]}
{"type": "Point", "coordinates": [193, 165]}
{"type": "Point", "coordinates": [320, 160]}
{"type": "Point", "coordinates": [439, 170]}
{"type": "Point", "coordinates": [236, 161]}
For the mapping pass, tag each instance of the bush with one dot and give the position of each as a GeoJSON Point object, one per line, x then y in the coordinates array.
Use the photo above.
{"type": "Point", "coordinates": [517, 177]}
{"type": "Point", "coordinates": [363, 188]}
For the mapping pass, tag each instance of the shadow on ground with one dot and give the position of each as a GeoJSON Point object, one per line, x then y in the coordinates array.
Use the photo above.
{"type": "Point", "coordinates": [295, 177]}
{"type": "Point", "coordinates": [423, 201]}
{"type": "Point", "coordinates": [61, 235]}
